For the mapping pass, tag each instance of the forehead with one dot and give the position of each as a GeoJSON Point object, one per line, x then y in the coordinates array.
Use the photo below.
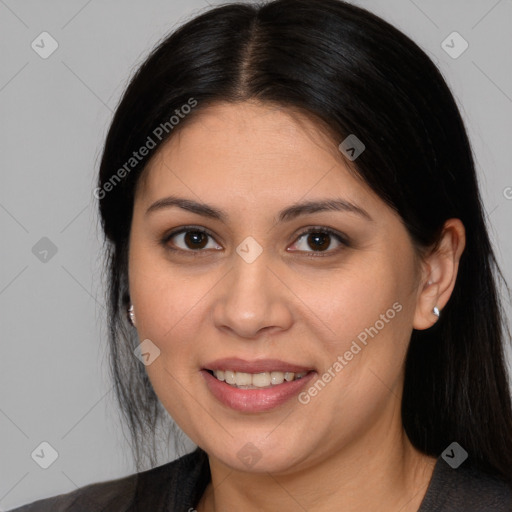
{"type": "Point", "coordinates": [252, 152]}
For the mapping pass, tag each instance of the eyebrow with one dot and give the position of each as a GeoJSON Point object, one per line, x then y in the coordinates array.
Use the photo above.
{"type": "Point", "coordinates": [287, 214]}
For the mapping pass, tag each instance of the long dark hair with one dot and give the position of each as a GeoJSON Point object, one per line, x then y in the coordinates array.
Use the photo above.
{"type": "Point", "coordinates": [353, 72]}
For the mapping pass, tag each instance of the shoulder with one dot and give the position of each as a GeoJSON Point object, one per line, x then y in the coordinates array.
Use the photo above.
{"type": "Point", "coordinates": [465, 489]}
{"type": "Point", "coordinates": [112, 495]}
{"type": "Point", "coordinates": [154, 489]}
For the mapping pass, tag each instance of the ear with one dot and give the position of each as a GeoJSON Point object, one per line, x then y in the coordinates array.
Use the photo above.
{"type": "Point", "coordinates": [439, 273]}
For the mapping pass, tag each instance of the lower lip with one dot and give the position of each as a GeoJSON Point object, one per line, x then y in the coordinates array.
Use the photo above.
{"type": "Point", "coordinates": [255, 400]}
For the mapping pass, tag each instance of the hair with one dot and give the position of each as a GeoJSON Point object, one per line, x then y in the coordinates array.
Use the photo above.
{"type": "Point", "coordinates": [349, 70]}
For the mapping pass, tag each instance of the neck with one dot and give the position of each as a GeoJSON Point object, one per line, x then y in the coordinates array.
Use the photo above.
{"type": "Point", "coordinates": [385, 477]}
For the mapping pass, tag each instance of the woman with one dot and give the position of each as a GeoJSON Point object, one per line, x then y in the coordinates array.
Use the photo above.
{"type": "Point", "coordinates": [298, 258]}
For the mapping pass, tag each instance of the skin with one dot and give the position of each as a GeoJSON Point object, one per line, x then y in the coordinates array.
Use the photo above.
{"type": "Point", "coordinates": [346, 449]}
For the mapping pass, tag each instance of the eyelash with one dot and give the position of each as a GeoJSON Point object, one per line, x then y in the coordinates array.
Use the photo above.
{"type": "Point", "coordinates": [311, 254]}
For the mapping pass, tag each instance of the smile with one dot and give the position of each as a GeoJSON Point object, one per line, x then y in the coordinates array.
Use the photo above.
{"type": "Point", "coordinates": [243, 380]}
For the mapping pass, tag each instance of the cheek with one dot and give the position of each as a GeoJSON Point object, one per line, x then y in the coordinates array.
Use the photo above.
{"type": "Point", "coordinates": [368, 307]}
{"type": "Point", "coordinates": [169, 302]}
{"type": "Point", "coordinates": [160, 295]}
{"type": "Point", "coordinates": [363, 292]}
{"type": "Point", "coordinates": [170, 310]}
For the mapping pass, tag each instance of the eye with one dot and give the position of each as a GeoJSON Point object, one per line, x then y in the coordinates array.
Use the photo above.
{"type": "Point", "coordinates": [190, 240]}
{"type": "Point", "coordinates": [320, 240]}
{"type": "Point", "coordinates": [194, 240]}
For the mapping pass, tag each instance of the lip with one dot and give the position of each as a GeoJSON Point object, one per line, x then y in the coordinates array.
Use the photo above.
{"type": "Point", "coordinates": [259, 366]}
{"type": "Point", "coordinates": [255, 400]}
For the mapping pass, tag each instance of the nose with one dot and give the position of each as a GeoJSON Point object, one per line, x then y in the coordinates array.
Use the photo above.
{"type": "Point", "coordinates": [252, 300]}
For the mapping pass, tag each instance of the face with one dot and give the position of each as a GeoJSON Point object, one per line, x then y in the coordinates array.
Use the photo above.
{"type": "Point", "coordinates": [233, 276]}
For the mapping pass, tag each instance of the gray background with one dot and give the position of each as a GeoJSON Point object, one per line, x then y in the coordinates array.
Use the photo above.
{"type": "Point", "coordinates": [54, 115]}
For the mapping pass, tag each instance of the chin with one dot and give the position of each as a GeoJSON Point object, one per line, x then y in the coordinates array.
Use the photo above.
{"type": "Point", "coordinates": [264, 457]}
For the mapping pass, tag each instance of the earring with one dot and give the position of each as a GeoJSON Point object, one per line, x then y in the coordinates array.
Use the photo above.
{"type": "Point", "coordinates": [436, 311]}
{"type": "Point", "coordinates": [131, 315]}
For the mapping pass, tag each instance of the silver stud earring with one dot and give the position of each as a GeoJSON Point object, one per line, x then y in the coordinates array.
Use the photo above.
{"type": "Point", "coordinates": [436, 311]}
{"type": "Point", "coordinates": [131, 315]}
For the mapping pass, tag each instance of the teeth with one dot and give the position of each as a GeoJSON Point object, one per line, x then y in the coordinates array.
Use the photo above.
{"type": "Point", "coordinates": [260, 380]}
{"type": "Point", "coordinates": [256, 380]}
{"type": "Point", "coordinates": [243, 379]}
{"type": "Point", "coordinates": [276, 377]}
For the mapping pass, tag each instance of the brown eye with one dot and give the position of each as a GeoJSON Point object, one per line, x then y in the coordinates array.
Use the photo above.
{"type": "Point", "coordinates": [195, 239]}
{"type": "Point", "coordinates": [318, 240]}
{"type": "Point", "coordinates": [190, 240]}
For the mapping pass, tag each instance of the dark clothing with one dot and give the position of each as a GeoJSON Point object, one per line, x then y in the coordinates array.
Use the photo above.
{"type": "Point", "coordinates": [178, 486]}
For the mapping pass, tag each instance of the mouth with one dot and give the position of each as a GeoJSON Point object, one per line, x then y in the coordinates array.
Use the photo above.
{"type": "Point", "coordinates": [255, 386]}
{"type": "Point", "coordinates": [260, 380]}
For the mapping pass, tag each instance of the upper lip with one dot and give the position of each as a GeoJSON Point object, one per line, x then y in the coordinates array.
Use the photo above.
{"type": "Point", "coordinates": [258, 366]}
